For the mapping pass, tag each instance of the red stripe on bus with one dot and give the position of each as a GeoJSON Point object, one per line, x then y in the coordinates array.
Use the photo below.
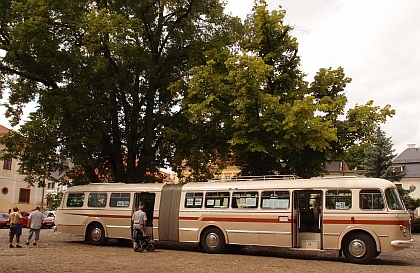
{"type": "Point", "coordinates": [100, 215]}
{"type": "Point", "coordinates": [365, 222]}
{"type": "Point", "coordinates": [188, 218]}
{"type": "Point", "coordinates": [243, 220]}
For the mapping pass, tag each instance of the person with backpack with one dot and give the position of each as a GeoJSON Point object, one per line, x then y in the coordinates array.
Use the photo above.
{"type": "Point", "coordinates": [15, 227]}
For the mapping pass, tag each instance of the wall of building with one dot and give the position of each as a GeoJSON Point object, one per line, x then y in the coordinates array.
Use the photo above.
{"type": "Point", "coordinates": [11, 185]}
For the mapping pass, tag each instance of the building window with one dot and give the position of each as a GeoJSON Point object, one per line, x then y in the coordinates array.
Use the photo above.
{"type": "Point", "coordinates": [7, 164]}
{"type": "Point", "coordinates": [24, 195]}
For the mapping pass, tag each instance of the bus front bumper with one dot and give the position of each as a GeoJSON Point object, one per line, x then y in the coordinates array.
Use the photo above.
{"type": "Point", "coordinates": [402, 243]}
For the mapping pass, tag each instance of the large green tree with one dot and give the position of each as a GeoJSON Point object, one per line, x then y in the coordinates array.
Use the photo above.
{"type": "Point", "coordinates": [125, 87]}
{"type": "Point", "coordinates": [252, 104]}
{"type": "Point", "coordinates": [99, 71]}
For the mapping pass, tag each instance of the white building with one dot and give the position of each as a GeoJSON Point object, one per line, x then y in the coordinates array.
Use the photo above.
{"type": "Point", "coordinates": [14, 191]}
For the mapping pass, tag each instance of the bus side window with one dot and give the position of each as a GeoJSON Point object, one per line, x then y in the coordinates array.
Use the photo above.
{"type": "Point", "coordinates": [194, 200]}
{"type": "Point", "coordinates": [338, 199]}
{"type": "Point", "coordinates": [217, 200]}
{"type": "Point", "coordinates": [119, 200]}
{"type": "Point", "coordinates": [275, 199]}
{"type": "Point", "coordinates": [371, 200]}
{"type": "Point", "coordinates": [75, 199]}
{"type": "Point", "coordinates": [245, 200]}
{"type": "Point", "coordinates": [97, 199]}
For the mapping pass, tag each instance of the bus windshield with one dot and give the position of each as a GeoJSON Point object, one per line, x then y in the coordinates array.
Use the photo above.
{"type": "Point", "coordinates": [393, 199]}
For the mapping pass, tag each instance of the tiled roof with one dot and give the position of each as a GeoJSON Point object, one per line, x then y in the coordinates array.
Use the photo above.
{"type": "Point", "coordinates": [3, 130]}
{"type": "Point", "coordinates": [409, 155]}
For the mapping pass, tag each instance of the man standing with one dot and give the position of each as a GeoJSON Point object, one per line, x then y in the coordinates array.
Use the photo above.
{"type": "Point", "coordinates": [14, 219]}
{"type": "Point", "coordinates": [139, 224]}
{"type": "Point", "coordinates": [34, 223]}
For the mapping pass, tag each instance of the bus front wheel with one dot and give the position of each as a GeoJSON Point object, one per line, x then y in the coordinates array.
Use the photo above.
{"type": "Point", "coordinates": [359, 248]}
{"type": "Point", "coordinates": [96, 235]}
{"type": "Point", "coordinates": [213, 241]}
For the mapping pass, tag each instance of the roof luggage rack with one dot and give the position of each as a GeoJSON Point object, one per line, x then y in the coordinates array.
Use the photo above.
{"type": "Point", "coordinates": [256, 178]}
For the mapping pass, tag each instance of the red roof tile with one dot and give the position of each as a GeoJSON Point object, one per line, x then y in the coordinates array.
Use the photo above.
{"type": "Point", "coordinates": [3, 130]}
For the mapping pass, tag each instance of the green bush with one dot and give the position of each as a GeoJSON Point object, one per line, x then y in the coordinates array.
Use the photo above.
{"type": "Point", "coordinates": [415, 225]}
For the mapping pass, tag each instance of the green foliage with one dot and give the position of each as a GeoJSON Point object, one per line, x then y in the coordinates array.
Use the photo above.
{"type": "Point", "coordinates": [53, 200]}
{"type": "Point", "coordinates": [415, 225]}
{"type": "Point", "coordinates": [100, 73]}
{"type": "Point", "coordinates": [251, 107]}
{"type": "Point", "coordinates": [409, 202]}
{"type": "Point", "coordinates": [126, 87]}
{"type": "Point", "coordinates": [378, 158]}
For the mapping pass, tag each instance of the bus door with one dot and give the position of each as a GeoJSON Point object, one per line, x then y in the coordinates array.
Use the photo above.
{"type": "Point", "coordinates": [307, 219]}
{"type": "Point", "coordinates": [148, 200]}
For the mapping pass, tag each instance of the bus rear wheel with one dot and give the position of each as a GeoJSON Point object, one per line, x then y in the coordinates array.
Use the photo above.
{"type": "Point", "coordinates": [359, 248]}
{"type": "Point", "coordinates": [96, 235]}
{"type": "Point", "coordinates": [213, 241]}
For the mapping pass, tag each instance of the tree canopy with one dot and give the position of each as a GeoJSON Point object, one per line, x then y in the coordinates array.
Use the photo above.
{"type": "Point", "coordinates": [378, 158]}
{"type": "Point", "coordinates": [126, 87]}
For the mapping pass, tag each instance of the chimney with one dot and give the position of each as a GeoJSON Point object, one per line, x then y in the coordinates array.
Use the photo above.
{"type": "Point", "coordinates": [411, 145]}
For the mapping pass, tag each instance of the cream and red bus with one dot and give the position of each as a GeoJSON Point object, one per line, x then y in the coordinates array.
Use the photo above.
{"type": "Point", "coordinates": [359, 217]}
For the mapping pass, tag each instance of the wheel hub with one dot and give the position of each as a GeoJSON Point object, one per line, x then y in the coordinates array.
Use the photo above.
{"type": "Point", "coordinates": [96, 234]}
{"type": "Point", "coordinates": [212, 240]}
{"type": "Point", "coordinates": [357, 248]}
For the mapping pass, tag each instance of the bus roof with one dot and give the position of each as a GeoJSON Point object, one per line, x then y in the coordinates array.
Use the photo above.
{"type": "Point", "coordinates": [341, 182]}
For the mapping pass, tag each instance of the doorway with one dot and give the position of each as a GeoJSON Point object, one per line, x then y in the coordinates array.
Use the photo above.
{"type": "Point", "coordinates": [307, 219]}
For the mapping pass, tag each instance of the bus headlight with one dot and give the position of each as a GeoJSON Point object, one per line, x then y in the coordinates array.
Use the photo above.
{"type": "Point", "coordinates": [405, 232]}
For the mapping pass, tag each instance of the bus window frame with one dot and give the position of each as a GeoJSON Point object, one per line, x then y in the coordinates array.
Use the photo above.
{"type": "Point", "coordinates": [262, 198]}
{"type": "Point", "coordinates": [366, 192]}
{"type": "Point", "coordinates": [220, 197]}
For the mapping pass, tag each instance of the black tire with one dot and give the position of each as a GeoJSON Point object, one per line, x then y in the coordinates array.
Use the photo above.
{"type": "Point", "coordinates": [213, 241]}
{"type": "Point", "coordinates": [359, 248]}
{"type": "Point", "coordinates": [96, 235]}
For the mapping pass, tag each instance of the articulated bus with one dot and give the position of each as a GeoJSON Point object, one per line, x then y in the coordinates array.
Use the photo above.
{"type": "Point", "coordinates": [359, 217]}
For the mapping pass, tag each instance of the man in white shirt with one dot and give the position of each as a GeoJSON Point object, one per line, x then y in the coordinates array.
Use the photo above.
{"type": "Point", "coordinates": [34, 223]}
{"type": "Point", "coordinates": [139, 220]}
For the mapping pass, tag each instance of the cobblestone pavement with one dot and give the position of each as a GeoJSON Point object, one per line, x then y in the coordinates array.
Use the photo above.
{"type": "Point", "coordinates": [58, 252]}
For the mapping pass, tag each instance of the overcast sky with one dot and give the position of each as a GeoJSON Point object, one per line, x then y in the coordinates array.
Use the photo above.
{"type": "Point", "coordinates": [377, 42]}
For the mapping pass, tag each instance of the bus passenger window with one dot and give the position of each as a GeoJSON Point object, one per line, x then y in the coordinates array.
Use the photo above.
{"type": "Point", "coordinates": [275, 199]}
{"type": "Point", "coordinates": [245, 200]}
{"type": "Point", "coordinates": [75, 199]}
{"type": "Point", "coordinates": [338, 199]}
{"type": "Point", "coordinates": [119, 200]}
{"type": "Point", "coordinates": [97, 200]}
{"type": "Point", "coordinates": [217, 200]}
{"type": "Point", "coordinates": [371, 200]}
{"type": "Point", "coordinates": [194, 200]}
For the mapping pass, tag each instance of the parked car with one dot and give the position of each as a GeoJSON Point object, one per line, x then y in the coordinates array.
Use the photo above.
{"type": "Point", "coordinates": [48, 222]}
{"type": "Point", "coordinates": [4, 220]}
{"type": "Point", "coordinates": [50, 213]}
